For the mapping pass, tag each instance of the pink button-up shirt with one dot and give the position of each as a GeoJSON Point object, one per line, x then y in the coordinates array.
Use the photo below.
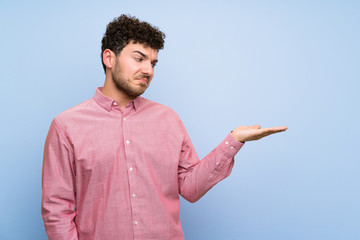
{"type": "Point", "coordinates": [117, 174]}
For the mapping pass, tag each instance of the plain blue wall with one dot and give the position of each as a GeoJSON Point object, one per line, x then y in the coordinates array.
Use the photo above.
{"type": "Point", "coordinates": [225, 63]}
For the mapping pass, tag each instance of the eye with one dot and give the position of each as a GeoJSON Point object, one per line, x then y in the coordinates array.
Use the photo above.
{"type": "Point", "coordinates": [153, 65]}
{"type": "Point", "coordinates": [138, 59]}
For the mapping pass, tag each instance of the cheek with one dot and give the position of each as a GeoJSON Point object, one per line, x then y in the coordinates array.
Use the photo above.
{"type": "Point", "coordinates": [127, 68]}
{"type": "Point", "coordinates": [131, 70]}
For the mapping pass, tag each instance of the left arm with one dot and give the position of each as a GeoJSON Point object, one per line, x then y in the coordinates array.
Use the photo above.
{"type": "Point", "coordinates": [196, 177]}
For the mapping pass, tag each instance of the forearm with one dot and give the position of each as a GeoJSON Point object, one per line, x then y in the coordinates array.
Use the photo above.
{"type": "Point", "coordinates": [217, 165]}
{"type": "Point", "coordinates": [58, 214]}
{"type": "Point", "coordinates": [59, 226]}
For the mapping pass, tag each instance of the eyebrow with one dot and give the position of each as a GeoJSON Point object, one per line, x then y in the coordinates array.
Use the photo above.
{"type": "Point", "coordinates": [145, 56]}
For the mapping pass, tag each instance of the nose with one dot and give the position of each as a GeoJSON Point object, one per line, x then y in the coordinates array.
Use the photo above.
{"type": "Point", "coordinates": [147, 69]}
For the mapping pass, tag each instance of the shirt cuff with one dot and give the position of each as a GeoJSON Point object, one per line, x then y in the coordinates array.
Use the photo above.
{"type": "Point", "coordinates": [230, 146]}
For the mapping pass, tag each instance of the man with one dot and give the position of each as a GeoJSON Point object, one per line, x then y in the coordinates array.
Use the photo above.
{"type": "Point", "coordinates": [114, 165]}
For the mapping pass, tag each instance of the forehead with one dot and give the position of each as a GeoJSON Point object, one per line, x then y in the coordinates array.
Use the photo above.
{"type": "Point", "coordinates": [133, 48]}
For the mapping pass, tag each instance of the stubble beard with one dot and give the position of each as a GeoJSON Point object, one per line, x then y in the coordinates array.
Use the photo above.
{"type": "Point", "coordinates": [124, 85]}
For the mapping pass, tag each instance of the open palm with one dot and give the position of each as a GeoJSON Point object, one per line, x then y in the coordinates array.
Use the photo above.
{"type": "Point", "coordinates": [254, 132]}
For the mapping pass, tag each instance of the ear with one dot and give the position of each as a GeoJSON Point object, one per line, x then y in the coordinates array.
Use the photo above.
{"type": "Point", "coordinates": [107, 57]}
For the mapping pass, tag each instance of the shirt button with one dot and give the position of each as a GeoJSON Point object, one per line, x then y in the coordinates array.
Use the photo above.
{"type": "Point", "coordinates": [130, 168]}
{"type": "Point", "coordinates": [136, 222]}
{"type": "Point", "coordinates": [134, 195]}
{"type": "Point", "coordinates": [232, 147]}
{"type": "Point", "coordinates": [217, 163]}
{"type": "Point", "coordinates": [127, 141]}
{"type": "Point", "coordinates": [114, 103]}
{"type": "Point", "coordinates": [226, 142]}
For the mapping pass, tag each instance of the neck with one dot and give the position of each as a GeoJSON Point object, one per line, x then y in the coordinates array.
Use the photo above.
{"type": "Point", "coordinates": [111, 91]}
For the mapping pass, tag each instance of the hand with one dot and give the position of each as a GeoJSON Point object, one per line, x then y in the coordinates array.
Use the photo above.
{"type": "Point", "coordinates": [254, 132]}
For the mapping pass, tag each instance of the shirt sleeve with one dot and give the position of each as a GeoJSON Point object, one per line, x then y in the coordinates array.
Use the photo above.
{"type": "Point", "coordinates": [196, 177]}
{"type": "Point", "coordinates": [58, 185]}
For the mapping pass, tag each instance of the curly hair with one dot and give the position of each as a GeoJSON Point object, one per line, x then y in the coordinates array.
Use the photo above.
{"type": "Point", "coordinates": [125, 29]}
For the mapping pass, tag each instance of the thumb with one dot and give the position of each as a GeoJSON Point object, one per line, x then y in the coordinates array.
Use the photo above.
{"type": "Point", "coordinates": [256, 126]}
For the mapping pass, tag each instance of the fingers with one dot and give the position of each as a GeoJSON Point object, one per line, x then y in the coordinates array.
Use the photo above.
{"type": "Point", "coordinates": [282, 128]}
{"type": "Point", "coordinates": [275, 129]}
{"type": "Point", "coordinates": [271, 129]}
{"type": "Point", "coordinates": [264, 132]}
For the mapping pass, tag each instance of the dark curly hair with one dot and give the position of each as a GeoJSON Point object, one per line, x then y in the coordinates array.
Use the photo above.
{"type": "Point", "coordinates": [125, 29]}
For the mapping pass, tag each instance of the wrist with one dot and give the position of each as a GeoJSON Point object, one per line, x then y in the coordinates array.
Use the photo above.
{"type": "Point", "coordinates": [237, 138]}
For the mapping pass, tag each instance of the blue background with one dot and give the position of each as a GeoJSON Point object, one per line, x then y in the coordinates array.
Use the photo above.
{"type": "Point", "coordinates": [225, 63]}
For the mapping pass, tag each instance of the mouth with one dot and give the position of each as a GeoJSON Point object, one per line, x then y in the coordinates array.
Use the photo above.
{"type": "Point", "coordinates": [144, 80]}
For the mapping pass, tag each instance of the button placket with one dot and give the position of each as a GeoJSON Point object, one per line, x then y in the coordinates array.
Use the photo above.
{"type": "Point", "coordinates": [128, 145]}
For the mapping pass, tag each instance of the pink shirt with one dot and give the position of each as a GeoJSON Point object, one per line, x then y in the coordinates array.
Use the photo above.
{"type": "Point", "coordinates": [112, 174]}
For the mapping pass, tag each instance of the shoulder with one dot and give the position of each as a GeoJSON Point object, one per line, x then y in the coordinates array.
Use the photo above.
{"type": "Point", "coordinates": [158, 110]}
{"type": "Point", "coordinates": [74, 113]}
{"type": "Point", "coordinates": [149, 104]}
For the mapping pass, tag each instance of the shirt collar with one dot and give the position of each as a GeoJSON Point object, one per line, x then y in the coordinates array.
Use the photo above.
{"type": "Point", "coordinates": [107, 103]}
{"type": "Point", "coordinates": [136, 102]}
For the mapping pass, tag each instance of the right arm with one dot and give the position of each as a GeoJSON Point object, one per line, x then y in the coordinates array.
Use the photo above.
{"type": "Point", "coordinates": [58, 185]}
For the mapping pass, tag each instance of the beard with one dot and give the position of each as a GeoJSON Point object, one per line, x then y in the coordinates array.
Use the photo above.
{"type": "Point", "coordinates": [124, 84]}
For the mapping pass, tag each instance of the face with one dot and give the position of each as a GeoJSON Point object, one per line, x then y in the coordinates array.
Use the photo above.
{"type": "Point", "coordinates": [134, 69]}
